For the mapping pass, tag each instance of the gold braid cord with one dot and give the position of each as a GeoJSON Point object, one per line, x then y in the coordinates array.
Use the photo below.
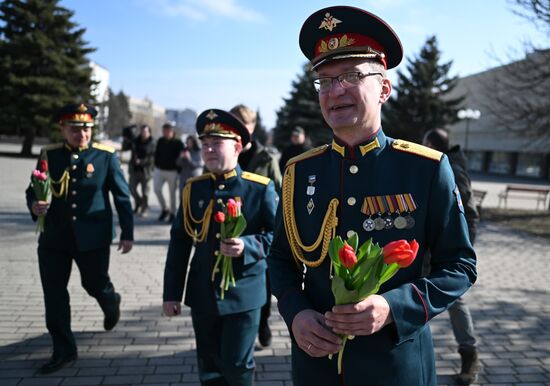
{"type": "Point", "coordinates": [328, 228]}
{"type": "Point", "coordinates": [63, 184]}
{"type": "Point", "coordinates": [191, 224]}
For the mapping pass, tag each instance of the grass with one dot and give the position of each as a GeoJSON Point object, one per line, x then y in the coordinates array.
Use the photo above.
{"type": "Point", "coordinates": [534, 222]}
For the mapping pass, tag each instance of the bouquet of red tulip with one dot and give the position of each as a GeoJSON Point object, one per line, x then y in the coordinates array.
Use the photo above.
{"type": "Point", "coordinates": [40, 182]}
{"type": "Point", "coordinates": [232, 224]}
{"type": "Point", "coordinates": [358, 272]}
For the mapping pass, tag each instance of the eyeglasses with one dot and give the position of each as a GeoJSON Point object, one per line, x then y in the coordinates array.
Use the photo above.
{"type": "Point", "coordinates": [346, 80]}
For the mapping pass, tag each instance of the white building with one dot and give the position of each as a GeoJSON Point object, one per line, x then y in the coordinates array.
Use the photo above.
{"type": "Point", "coordinates": [146, 112]}
{"type": "Point", "coordinates": [184, 119]}
{"type": "Point", "coordinates": [100, 91]}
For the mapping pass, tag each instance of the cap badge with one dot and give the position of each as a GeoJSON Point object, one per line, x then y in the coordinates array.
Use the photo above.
{"type": "Point", "coordinates": [329, 22]}
{"type": "Point", "coordinates": [82, 108]}
{"type": "Point", "coordinates": [211, 115]}
{"type": "Point", "coordinates": [334, 43]}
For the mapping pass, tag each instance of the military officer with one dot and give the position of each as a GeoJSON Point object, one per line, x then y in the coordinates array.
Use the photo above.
{"type": "Point", "coordinates": [225, 327]}
{"type": "Point", "coordinates": [79, 226]}
{"type": "Point", "coordinates": [379, 187]}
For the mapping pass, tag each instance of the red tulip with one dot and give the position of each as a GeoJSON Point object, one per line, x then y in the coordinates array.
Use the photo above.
{"type": "Point", "coordinates": [401, 252]}
{"type": "Point", "coordinates": [219, 217]}
{"type": "Point", "coordinates": [347, 256]}
{"type": "Point", "coordinates": [232, 208]}
{"type": "Point", "coordinates": [43, 165]}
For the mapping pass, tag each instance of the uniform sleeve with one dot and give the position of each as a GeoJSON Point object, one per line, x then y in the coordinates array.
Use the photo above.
{"type": "Point", "coordinates": [256, 246]}
{"type": "Point", "coordinates": [453, 261]}
{"type": "Point", "coordinates": [177, 260]}
{"type": "Point", "coordinates": [465, 187]}
{"type": "Point", "coordinates": [121, 198]}
{"type": "Point", "coordinates": [285, 275]}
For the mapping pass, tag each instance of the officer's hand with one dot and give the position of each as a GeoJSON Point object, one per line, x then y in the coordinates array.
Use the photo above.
{"type": "Point", "coordinates": [125, 246]}
{"type": "Point", "coordinates": [171, 308]}
{"type": "Point", "coordinates": [39, 208]}
{"type": "Point", "coordinates": [363, 318]}
{"type": "Point", "coordinates": [233, 247]}
{"type": "Point", "coordinates": [313, 336]}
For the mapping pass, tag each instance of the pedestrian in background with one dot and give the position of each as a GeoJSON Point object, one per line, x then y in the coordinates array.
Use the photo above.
{"type": "Point", "coordinates": [167, 151]}
{"type": "Point", "coordinates": [255, 158]}
{"type": "Point", "coordinates": [190, 161]}
{"type": "Point", "coordinates": [459, 312]}
{"type": "Point", "coordinates": [298, 145]}
{"type": "Point", "coordinates": [140, 168]}
{"type": "Point", "coordinates": [79, 226]}
{"type": "Point", "coordinates": [225, 326]}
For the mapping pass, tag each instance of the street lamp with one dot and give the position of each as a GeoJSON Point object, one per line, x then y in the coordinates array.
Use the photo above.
{"type": "Point", "coordinates": [468, 115]}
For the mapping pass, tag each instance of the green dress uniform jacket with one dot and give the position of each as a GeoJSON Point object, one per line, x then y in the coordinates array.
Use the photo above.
{"type": "Point", "coordinates": [380, 171]}
{"type": "Point", "coordinates": [85, 212]}
{"type": "Point", "coordinates": [199, 202]}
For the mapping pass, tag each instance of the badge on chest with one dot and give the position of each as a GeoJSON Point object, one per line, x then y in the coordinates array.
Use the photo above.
{"type": "Point", "coordinates": [388, 211]}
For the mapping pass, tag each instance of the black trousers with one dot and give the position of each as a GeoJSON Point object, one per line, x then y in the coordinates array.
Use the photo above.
{"type": "Point", "coordinates": [225, 347]}
{"type": "Point", "coordinates": [55, 269]}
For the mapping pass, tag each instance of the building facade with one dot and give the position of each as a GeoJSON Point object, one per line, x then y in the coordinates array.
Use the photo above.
{"type": "Point", "coordinates": [184, 119]}
{"type": "Point", "coordinates": [145, 112]}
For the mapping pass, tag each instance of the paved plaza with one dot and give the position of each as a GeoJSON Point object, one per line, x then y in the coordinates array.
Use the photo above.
{"type": "Point", "coordinates": [510, 306]}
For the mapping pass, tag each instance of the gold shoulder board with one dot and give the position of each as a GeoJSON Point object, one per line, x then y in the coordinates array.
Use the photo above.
{"type": "Point", "coordinates": [198, 178]}
{"type": "Point", "coordinates": [414, 148]}
{"type": "Point", "coordinates": [308, 154]}
{"type": "Point", "coordinates": [53, 146]}
{"type": "Point", "coordinates": [255, 177]}
{"type": "Point", "coordinates": [103, 147]}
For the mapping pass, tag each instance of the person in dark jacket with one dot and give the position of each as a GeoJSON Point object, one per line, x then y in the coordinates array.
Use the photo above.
{"type": "Point", "coordinates": [140, 168]}
{"type": "Point", "coordinates": [257, 159]}
{"type": "Point", "coordinates": [298, 145]}
{"type": "Point", "coordinates": [167, 152]}
{"type": "Point", "coordinates": [190, 161]}
{"type": "Point", "coordinates": [79, 226]}
{"type": "Point", "coordinates": [459, 312]}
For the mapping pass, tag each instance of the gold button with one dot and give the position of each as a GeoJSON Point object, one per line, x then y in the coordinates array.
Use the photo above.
{"type": "Point", "coordinates": [75, 156]}
{"type": "Point", "coordinates": [221, 187]}
{"type": "Point", "coordinates": [353, 169]}
{"type": "Point", "coordinates": [350, 233]}
{"type": "Point", "coordinates": [73, 205]}
{"type": "Point", "coordinates": [216, 253]}
{"type": "Point", "coordinates": [74, 218]}
{"type": "Point", "coordinates": [73, 192]}
{"type": "Point", "coordinates": [351, 201]}
{"type": "Point", "coordinates": [73, 167]}
{"type": "Point", "coordinates": [218, 235]}
{"type": "Point", "coordinates": [73, 179]}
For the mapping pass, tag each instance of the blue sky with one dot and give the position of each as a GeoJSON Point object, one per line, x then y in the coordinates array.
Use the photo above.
{"type": "Point", "coordinates": [216, 53]}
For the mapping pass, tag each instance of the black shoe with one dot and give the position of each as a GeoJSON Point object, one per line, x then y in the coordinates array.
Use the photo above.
{"type": "Point", "coordinates": [57, 362]}
{"type": "Point", "coordinates": [136, 209]}
{"type": "Point", "coordinates": [470, 366]}
{"type": "Point", "coordinates": [171, 218]}
{"type": "Point", "coordinates": [163, 215]}
{"type": "Point", "coordinates": [264, 335]}
{"type": "Point", "coordinates": [111, 318]}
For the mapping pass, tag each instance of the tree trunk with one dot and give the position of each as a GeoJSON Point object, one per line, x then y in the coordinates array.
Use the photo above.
{"type": "Point", "coordinates": [28, 139]}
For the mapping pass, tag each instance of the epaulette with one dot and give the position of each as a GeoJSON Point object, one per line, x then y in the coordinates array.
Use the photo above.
{"type": "Point", "coordinates": [308, 154]}
{"type": "Point", "coordinates": [103, 147]}
{"type": "Point", "coordinates": [53, 146]}
{"type": "Point", "coordinates": [255, 177]}
{"type": "Point", "coordinates": [415, 148]}
{"type": "Point", "coordinates": [198, 178]}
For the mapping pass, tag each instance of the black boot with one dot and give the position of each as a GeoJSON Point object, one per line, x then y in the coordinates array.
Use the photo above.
{"type": "Point", "coordinates": [163, 215]}
{"type": "Point", "coordinates": [470, 366]}
{"type": "Point", "coordinates": [112, 314]}
{"type": "Point", "coordinates": [57, 362]}
{"type": "Point", "coordinates": [264, 334]}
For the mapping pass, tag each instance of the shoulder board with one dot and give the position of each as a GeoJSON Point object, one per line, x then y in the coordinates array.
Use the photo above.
{"type": "Point", "coordinates": [308, 154]}
{"type": "Point", "coordinates": [255, 177]}
{"type": "Point", "coordinates": [53, 146]}
{"type": "Point", "coordinates": [415, 148]}
{"type": "Point", "coordinates": [103, 147]}
{"type": "Point", "coordinates": [199, 178]}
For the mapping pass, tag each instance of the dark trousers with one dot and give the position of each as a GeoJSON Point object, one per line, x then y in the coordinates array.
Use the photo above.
{"type": "Point", "coordinates": [140, 178]}
{"type": "Point", "coordinates": [225, 347]}
{"type": "Point", "coordinates": [266, 308]}
{"type": "Point", "coordinates": [55, 270]}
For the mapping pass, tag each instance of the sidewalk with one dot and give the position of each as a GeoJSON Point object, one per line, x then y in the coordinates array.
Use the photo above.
{"type": "Point", "coordinates": [509, 304]}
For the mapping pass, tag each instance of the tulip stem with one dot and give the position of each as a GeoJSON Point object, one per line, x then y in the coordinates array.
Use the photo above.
{"type": "Point", "coordinates": [341, 354]}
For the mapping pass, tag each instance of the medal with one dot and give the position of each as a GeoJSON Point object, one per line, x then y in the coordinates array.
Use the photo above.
{"type": "Point", "coordinates": [388, 223]}
{"type": "Point", "coordinates": [89, 170]}
{"type": "Point", "coordinates": [310, 206]}
{"type": "Point", "coordinates": [410, 221]}
{"type": "Point", "coordinates": [400, 222]}
{"type": "Point", "coordinates": [379, 223]}
{"type": "Point", "coordinates": [310, 190]}
{"type": "Point", "coordinates": [368, 225]}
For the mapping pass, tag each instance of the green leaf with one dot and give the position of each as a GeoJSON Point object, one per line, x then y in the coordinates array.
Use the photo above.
{"type": "Point", "coordinates": [240, 225]}
{"type": "Point", "coordinates": [364, 249]}
{"type": "Point", "coordinates": [353, 241]}
{"type": "Point", "coordinates": [341, 294]}
{"type": "Point", "coordinates": [388, 272]}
